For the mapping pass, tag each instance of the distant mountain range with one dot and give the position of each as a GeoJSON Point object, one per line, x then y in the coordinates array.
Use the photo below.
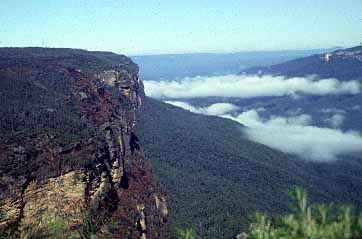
{"type": "Point", "coordinates": [343, 64]}
{"type": "Point", "coordinates": [177, 66]}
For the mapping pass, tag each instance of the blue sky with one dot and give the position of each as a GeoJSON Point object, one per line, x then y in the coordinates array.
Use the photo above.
{"type": "Point", "coordinates": [149, 27]}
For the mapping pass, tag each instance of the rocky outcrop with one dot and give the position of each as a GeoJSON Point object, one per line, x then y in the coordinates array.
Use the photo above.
{"type": "Point", "coordinates": [89, 182]}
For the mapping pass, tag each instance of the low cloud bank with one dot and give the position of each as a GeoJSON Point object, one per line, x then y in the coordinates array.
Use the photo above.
{"type": "Point", "coordinates": [248, 86]}
{"type": "Point", "coordinates": [293, 134]}
{"type": "Point", "coordinates": [214, 109]}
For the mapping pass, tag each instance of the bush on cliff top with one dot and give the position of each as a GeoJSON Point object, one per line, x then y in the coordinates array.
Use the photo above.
{"type": "Point", "coordinates": [316, 221]}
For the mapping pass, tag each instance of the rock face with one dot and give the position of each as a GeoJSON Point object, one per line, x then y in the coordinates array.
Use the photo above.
{"type": "Point", "coordinates": [70, 164]}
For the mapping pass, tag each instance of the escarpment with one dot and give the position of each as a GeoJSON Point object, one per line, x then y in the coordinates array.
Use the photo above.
{"type": "Point", "coordinates": [70, 163]}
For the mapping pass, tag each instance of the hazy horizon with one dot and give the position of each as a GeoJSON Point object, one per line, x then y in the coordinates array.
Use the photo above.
{"type": "Point", "coordinates": [164, 27]}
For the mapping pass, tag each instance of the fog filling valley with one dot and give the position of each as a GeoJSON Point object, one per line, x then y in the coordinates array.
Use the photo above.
{"type": "Point", "coordinates": [294, 133]}
{"type": "Point", "coordinates": [248, 86]}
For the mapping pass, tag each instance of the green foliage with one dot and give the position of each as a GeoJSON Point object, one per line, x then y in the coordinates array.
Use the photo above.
{"type": "Point", "coordinates": [60, 228]}
{"type": "Point", "coordinates": [57, 229]}
{"type": "Point", "coordinates": [35, 232]}
{"type": "Point", "coordinates": [92, 217]}
{"type": "Point", "coordinates": [215, 178]}
{"type": "Point", "coordinates": [187, 233]}
{"type": "Point", "coordinates": [316, 221]}
{"type": "Point", "coordinates": [88, 229]}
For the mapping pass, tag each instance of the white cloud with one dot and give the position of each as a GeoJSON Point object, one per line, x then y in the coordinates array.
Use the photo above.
{"type": "Point", "coordinates": [248, 86]}
{"type": "Point", "coordinates": [333, 111]}
{"type": "Point", "coordinates": [336, 120]}
{"type": "Point", "coordinates": [293, 134]}
{"type": "Point", "coordinates": [303, 119]}
{"type": "Point", "coordinates": [214, 109]}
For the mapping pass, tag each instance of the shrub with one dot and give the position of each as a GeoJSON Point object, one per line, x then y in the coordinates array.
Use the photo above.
{"type": "Point", "coordinates": [188, 233]}
{"type": "Point", "coordinates": [317, 221]}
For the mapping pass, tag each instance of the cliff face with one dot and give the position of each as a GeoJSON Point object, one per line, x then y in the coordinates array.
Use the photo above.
{"type": "Point", "coordinates": [70, 164]}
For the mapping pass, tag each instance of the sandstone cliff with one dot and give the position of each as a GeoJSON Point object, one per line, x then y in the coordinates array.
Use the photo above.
{"type": "Point", "coordinates": [70, 163]}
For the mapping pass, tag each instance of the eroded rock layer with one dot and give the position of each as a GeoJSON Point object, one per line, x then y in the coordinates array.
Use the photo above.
{"type": "Point", "coordinates": [70, 164]}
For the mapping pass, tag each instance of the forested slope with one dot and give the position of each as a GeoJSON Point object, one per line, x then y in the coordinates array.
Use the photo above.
{"type": "Point", "coordinates": [216, 179]}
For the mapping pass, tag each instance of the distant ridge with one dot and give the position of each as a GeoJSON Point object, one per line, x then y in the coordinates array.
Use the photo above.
{"type": "Point", "coordinates": [173, 66]}
{"type": "Point", "coordinates": [343, 64]}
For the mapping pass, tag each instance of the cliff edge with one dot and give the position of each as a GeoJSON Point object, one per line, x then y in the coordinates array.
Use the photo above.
{"type": "Point", "coordinates": [70, 163]}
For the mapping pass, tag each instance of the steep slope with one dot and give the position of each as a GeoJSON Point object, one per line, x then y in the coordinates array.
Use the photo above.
{"type": "Point", "coordinates": [70, 163]}
{"type": "Point", "coordinates": [216, 179]}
